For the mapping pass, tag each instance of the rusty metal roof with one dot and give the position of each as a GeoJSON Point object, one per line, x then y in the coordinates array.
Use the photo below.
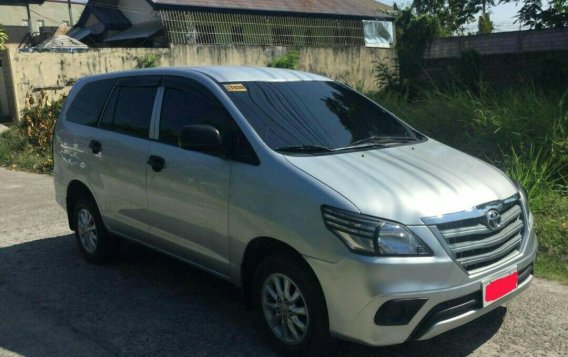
{"type": "Point", "coordinates": [358, 8]}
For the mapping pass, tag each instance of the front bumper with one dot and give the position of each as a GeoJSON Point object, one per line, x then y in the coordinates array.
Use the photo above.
{"type": "Point", "coordinates": [356, 287]}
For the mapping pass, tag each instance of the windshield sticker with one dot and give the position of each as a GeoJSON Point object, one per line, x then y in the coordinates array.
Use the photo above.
{"type": "Point", "coordinates": [237, 87]}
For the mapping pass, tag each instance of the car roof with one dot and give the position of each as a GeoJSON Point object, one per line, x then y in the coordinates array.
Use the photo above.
{"type": "Point", "coordinates": [225, 74]}
{"type": "Point", "coordinates": [256, 74]}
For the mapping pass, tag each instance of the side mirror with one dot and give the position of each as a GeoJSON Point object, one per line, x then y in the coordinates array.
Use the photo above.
{"type": "Point", "coordinates": [202, 138]}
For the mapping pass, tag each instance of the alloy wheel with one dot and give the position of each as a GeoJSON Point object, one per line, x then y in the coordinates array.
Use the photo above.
{"type": "Point", "coordinates": [285, 309]}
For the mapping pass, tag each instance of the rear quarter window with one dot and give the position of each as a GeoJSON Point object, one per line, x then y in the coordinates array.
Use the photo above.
{"type": "Point", "coordinates": [89, 103]}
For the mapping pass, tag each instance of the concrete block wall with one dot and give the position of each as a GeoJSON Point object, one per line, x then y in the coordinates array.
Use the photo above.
{"type": "Point", "coordinates": [508, 58]}
{"type": "Point", "coordinates": [500, 43]}
{"type": "Point", "coordinates": [56, 72]}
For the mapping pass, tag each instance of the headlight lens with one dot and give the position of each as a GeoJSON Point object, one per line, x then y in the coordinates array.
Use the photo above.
{"type": "Point", "coordinates": [373, 236]}
{"type": "Point", "coordinates": [524, 194]}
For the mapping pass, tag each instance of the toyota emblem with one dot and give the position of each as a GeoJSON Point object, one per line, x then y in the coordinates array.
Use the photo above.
{"type": "Point", "coordinates": [493, 219]}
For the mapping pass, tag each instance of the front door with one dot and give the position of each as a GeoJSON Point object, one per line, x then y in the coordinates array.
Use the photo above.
{"type": "Point", "coordinates": [188, 191]}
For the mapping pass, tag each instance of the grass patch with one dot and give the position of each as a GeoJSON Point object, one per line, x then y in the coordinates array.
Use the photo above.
{"type": "Point", "coordinates": [552, 233]}
{"type": "Point", "coordinates": [17, 152]}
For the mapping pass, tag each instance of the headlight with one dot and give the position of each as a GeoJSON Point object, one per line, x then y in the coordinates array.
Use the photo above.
{"type": "Point", "coordinates": [524, 195]}
{"type": "Point", "coordinates": [373, 236]}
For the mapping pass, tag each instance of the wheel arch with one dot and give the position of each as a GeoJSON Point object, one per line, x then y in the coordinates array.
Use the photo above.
{"type": "Point", "coordinates": [75, 190]}
{"type": "Point", "coordinates": [262, 247]}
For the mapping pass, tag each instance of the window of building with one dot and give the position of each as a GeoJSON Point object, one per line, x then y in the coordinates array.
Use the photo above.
{"type": "Point", "coordinates": [378, 33]}
{"type": "Point", "coordinates": [237, 35]}
{"type": "Point", "coordinates": [205, 34]}
{"type": "Point", "coordinates": [282, 36]}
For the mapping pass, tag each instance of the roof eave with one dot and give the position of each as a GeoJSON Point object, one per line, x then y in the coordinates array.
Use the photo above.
{"type": "Point", "coordinates": [378, 15]}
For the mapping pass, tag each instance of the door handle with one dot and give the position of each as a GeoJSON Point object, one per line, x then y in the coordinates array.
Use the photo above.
{"type": "Point", "coordinates": [95, 146]}
{"type": "Point", "coordinates": [158, 163]}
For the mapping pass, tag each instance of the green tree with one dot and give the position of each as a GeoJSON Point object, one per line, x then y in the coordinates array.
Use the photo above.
{"type": "Point", "coordinates": [485, 25]}
{"type": "Point", "coordinates": [452, 15]}
{"type": "Point", "coordinates": [556, 15]}
{"type": "Point", "coordinates": [3, 38]}
{"type": "Point", "coordinates": [534, 15]}
{"type": "Point", "coordinates": [415, 33]}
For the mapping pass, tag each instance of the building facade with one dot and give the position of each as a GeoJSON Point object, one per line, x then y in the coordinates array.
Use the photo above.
{"type": "Point", "coordinates": [23, 20]}
{"type": "Point", "coordinates": [159, 23]}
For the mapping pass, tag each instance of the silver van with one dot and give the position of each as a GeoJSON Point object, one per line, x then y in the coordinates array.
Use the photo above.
{"type": "Point", "coordinates": [335, 217]}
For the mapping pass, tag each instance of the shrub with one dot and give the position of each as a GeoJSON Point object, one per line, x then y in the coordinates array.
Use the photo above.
{"type": "Point", "coordinates": [148, 61]}
{"type": "Point", "coordinates": [40, 116]}
{"type": "Point", "coordinates": [27, 145]}
{"type": "Point", "coordinates": [291, 60]}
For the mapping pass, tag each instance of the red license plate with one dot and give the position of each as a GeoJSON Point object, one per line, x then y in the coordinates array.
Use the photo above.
{"type": "Point", "coordinates": [495, 289]}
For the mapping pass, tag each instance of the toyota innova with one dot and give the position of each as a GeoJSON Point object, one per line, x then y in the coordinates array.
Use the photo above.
{"type": "Point", "coordinates": [335, 217]}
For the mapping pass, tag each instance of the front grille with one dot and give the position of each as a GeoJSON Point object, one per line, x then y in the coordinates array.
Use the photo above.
{"type": "Point", "coordinates": [474, 242]}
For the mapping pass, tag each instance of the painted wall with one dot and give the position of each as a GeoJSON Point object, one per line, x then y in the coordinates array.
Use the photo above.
{"type": "Point", "coordinates": [56, 72]}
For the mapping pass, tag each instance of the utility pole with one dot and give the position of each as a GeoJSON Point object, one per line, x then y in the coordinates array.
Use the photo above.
{"type": "Point", "coordinates": [30, 27]}
{"type": "Point", "coordinates": [70, 13]}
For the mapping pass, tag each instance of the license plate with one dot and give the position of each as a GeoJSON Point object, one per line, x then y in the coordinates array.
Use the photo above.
{"type": "Point", "coordinates": [500, 286]}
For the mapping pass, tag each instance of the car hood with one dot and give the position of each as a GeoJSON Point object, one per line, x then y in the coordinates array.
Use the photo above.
{"type": "Point", "coordinates": [410, 182]}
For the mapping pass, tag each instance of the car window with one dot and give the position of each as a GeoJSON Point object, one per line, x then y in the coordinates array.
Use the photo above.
{"type": "Point", "coordinates": [129, 111]}
{"type": "Point", "coordinates": [187, 106]}
{"type": "Point", "coordinates": [89, 102]}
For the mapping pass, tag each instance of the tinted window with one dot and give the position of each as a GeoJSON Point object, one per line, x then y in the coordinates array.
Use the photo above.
{"type": "Point", "coordinates": [314, 113]}
{"type": "Point", "coordinates": [129, 110]}
{"type": "Point", "coordinates": [181, 107]}
{"type": "Point", "coordinates": [89, 102]}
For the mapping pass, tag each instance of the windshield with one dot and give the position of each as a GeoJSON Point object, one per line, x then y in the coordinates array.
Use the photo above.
{"type": "Point", "coordinates": [315, 116]}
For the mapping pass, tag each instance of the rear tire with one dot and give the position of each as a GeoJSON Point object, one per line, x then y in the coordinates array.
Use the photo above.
{"type": "Point", "coordinates": [291, 307]}
{"type": "Point", "coordinates": [95, 243]}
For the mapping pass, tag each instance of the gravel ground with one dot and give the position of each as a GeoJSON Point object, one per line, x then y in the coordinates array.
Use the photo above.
{"type": "Point", "coordinates": [52, 303]}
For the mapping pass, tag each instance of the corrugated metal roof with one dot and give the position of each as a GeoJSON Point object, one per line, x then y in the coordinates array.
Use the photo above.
{"type": "Point", "coordinates": [61, 42]}
{"type": "Point", "coordinates": [141, 30]}
{"type": "Point", "coordinates": [359, 8]}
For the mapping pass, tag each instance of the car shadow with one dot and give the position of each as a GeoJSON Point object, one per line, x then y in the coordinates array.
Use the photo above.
{"type": "Point", "coordinates": [147, 304]}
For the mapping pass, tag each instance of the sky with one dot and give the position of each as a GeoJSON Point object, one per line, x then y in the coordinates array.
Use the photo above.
{"type": "Point", "coordinates": [501, 15]}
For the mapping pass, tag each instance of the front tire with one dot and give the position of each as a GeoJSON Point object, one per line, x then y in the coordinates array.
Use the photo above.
{"type": "Point", "coordinates": [96, 245]}
{"type": "Point", "coordinates": [291, 307]}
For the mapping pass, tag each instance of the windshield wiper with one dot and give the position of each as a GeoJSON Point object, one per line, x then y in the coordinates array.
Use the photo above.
{"type": "Point", "coordinates": [308, 149]}
{"type": "Point", "coordinates": [382, 140]}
